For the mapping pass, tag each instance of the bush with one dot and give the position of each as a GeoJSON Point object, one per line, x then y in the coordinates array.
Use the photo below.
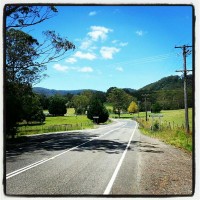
{"type": "Point", "coordinates": [96, 108]}
{"type": "Point", "coordinates": [156, 126]}
{"type": "Point", "coordinates": [57, 105]}
{"type": "Point", "coordinates": [156, 108]}
{"type": "Point", "coordinates": [39, 116]}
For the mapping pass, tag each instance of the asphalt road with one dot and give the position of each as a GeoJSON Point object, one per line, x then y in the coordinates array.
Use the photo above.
{"type": "Point", "coordinates": [115, 159]}
{"type": "Point", "coordinates": [84, 162]}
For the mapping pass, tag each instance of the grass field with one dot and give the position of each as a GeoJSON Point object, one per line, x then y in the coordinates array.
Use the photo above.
{"type": "Point", "coordinates": [174, 135]}
{"type": "Point", "coordinates": [172, 129]}
{"type": "Point", "coordinates": [54, 124]}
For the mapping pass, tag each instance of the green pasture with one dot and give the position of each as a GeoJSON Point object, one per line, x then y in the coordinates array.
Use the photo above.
{"type": "Point", "coordinates": [55, 124]}
{"type": "Point", "coordinates": [174, 135]}
{"type": "Point", "coordinates": [177, 116]}
{"type": "Point", "coordinates": [174, 117]}
{"type": "Point", "coordinates": [172, 129]}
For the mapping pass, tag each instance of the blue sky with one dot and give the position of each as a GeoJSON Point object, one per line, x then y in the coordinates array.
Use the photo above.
{"type": "Point", "coordinates": [122, 46]}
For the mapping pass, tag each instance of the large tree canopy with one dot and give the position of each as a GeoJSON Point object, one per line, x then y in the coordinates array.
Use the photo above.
{"type": "Point", "coordinates": [21, 55]}
{"type": "Point", "coordinates": [23, 51]}
{"type": "Point", "coordinates": [26, 58]}
{"type": "Point", "coordinates": [119, 99]}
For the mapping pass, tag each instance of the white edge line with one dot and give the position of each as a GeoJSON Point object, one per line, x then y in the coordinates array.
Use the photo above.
{"type": "Point", "coordinates": [19, 171]}
{"type": "Point", "coordinates": [110, 184]}
{"type": "Point", "coordinates": [24, 168]}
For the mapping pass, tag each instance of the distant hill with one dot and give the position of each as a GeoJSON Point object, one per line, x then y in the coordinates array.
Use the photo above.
{"type": "Point", "coordinates": [168, 83]}
{"type": "Point", "coordinates": [51, 92]}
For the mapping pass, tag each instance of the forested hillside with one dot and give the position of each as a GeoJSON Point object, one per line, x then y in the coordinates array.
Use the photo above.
{"type": "Point", "coordinates": [168, 92]}
{"type": "Point", "coordinates": [51, 92]}
{"type": "Point", "coordinates": [168, 83]}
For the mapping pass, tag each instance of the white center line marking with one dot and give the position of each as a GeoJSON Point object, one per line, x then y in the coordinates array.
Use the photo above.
{"type": "Point", "coordinates": [19, 171]}
{"type": "Point", "coordinates": [110, 184]}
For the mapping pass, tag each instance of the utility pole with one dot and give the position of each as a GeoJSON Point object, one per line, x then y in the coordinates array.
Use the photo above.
{"type": "Point", "coordinates": [184, 71]}
{"type": "Point", "coordinates": [145, 97]}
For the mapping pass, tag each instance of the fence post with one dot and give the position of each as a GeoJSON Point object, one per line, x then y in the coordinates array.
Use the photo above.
{"type": "Point", "coordinates": [169, 126]}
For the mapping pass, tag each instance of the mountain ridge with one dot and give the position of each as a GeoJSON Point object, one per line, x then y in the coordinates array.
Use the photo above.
{"type": "Point", "coordinates": [173, 82]}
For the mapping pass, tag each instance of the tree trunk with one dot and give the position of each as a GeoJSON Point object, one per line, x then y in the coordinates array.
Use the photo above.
{"type": "Point", "coordinates": [119, 112]}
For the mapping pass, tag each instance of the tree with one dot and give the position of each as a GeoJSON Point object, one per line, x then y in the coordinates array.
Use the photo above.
{"type": "Point", "coordinates": [156, 108]}
{"type": "Point", "coordinates": [96, 108]}
{"type": "Point", "coordinates": [14, 105]}
{"type": "Point", "coordinates": [101, 96]}
{"type": "Point", "coordinates": [119, 99]}
{"type": "Point", "coordinates": [57, 105]}
{"type": "Point", "coordinates": [44, 101]}
{"type": "Point", "coordinates": [80, 103]}
{"type": "Point", "coordinates": [23, 51]}
{"type": "Point", "coordinates": [132, 107]}
{"type": "Point", "coordinates": [21, 56]}
{"type": "Point", "coordinates": [23, 16]}
{"type": "Point", "coordinates": [26, 58]}
{"type": "Point", "coordinates": [32, 109]}
{"type": "Point", "coordinates": [109, 91]}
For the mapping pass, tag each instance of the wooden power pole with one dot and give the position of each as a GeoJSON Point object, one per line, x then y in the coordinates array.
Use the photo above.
{"type": "Point", "coordinates": [145, 97]}
{"type": "Point", "coordinates": [184, 71]}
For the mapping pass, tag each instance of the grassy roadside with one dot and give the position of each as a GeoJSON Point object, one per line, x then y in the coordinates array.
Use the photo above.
{"type": "Point", "coordinates": [170, 129]}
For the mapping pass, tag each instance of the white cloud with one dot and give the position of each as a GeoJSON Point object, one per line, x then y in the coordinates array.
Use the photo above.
{"type": "Point", "coordinates": [107, 52]}
{"type": "Point", "coordinates": [114, 41]}
{"type": "Point", "coordinates": [88, 56]}
{"type": "Point", "coordinates": [140, 32]}
{"type": "Point", "coordinates": [62, 68]}
{"type": "Point", "coordinates": [123, 44]}
{"type": "Point", "coordinates": [85, 69]}
{"type": "Point", "coordinates": [71, 60]}
{"type": "Point", "coordinates": [120, 69]}
{"type": "Point", "coordinates": [85, 44]}
{"type": "Point", "coordinates": [99, 32]}
{"type": "Point", "coordinates": [92, 13]}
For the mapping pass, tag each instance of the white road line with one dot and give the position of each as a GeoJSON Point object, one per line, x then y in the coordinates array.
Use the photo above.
{"type": "Point", "coordinates": [110, 184]}
{"type": "Point", "coordinates": [19, 171]}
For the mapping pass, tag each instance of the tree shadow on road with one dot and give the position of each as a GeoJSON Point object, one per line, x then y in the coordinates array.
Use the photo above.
{"type": "Point", "coordinates": [62, 141]}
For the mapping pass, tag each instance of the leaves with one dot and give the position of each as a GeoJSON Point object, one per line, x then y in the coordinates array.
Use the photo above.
{"type": "Point", "coordinates": [119, 99]}
{"type": "Point", "coordinates": [23, 16]}
{"type": "Point", "coordinates": [132, 107]}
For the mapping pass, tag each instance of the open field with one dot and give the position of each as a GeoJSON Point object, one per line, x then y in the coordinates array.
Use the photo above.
{"type": "Point", "coordinates": [171, 130]}
{"type": "Point", "coordinates": [60, 123]}
{"type": "Point", "coordinates": [174, 117]}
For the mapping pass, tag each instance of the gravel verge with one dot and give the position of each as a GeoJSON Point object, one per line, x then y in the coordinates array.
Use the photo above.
{"type": "Point", "coordinates": [164, 169]}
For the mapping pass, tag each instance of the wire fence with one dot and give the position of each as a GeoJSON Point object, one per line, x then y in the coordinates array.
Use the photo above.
{"type": "Point", "coordinates": [29, 130]}
{"type": "Point", "coordinates": [160, 125]}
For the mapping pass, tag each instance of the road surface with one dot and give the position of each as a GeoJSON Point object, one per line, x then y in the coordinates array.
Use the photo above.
{"type": "Point", "coordinates": [104, 161]}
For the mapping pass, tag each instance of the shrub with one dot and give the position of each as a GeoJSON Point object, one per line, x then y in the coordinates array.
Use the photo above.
{"type": "Point", "coordinates": [156, 108]}
{"type": "Point", "coordinates": [57, 105]}
{"type": "Point", "coordinates": [96, 108]}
